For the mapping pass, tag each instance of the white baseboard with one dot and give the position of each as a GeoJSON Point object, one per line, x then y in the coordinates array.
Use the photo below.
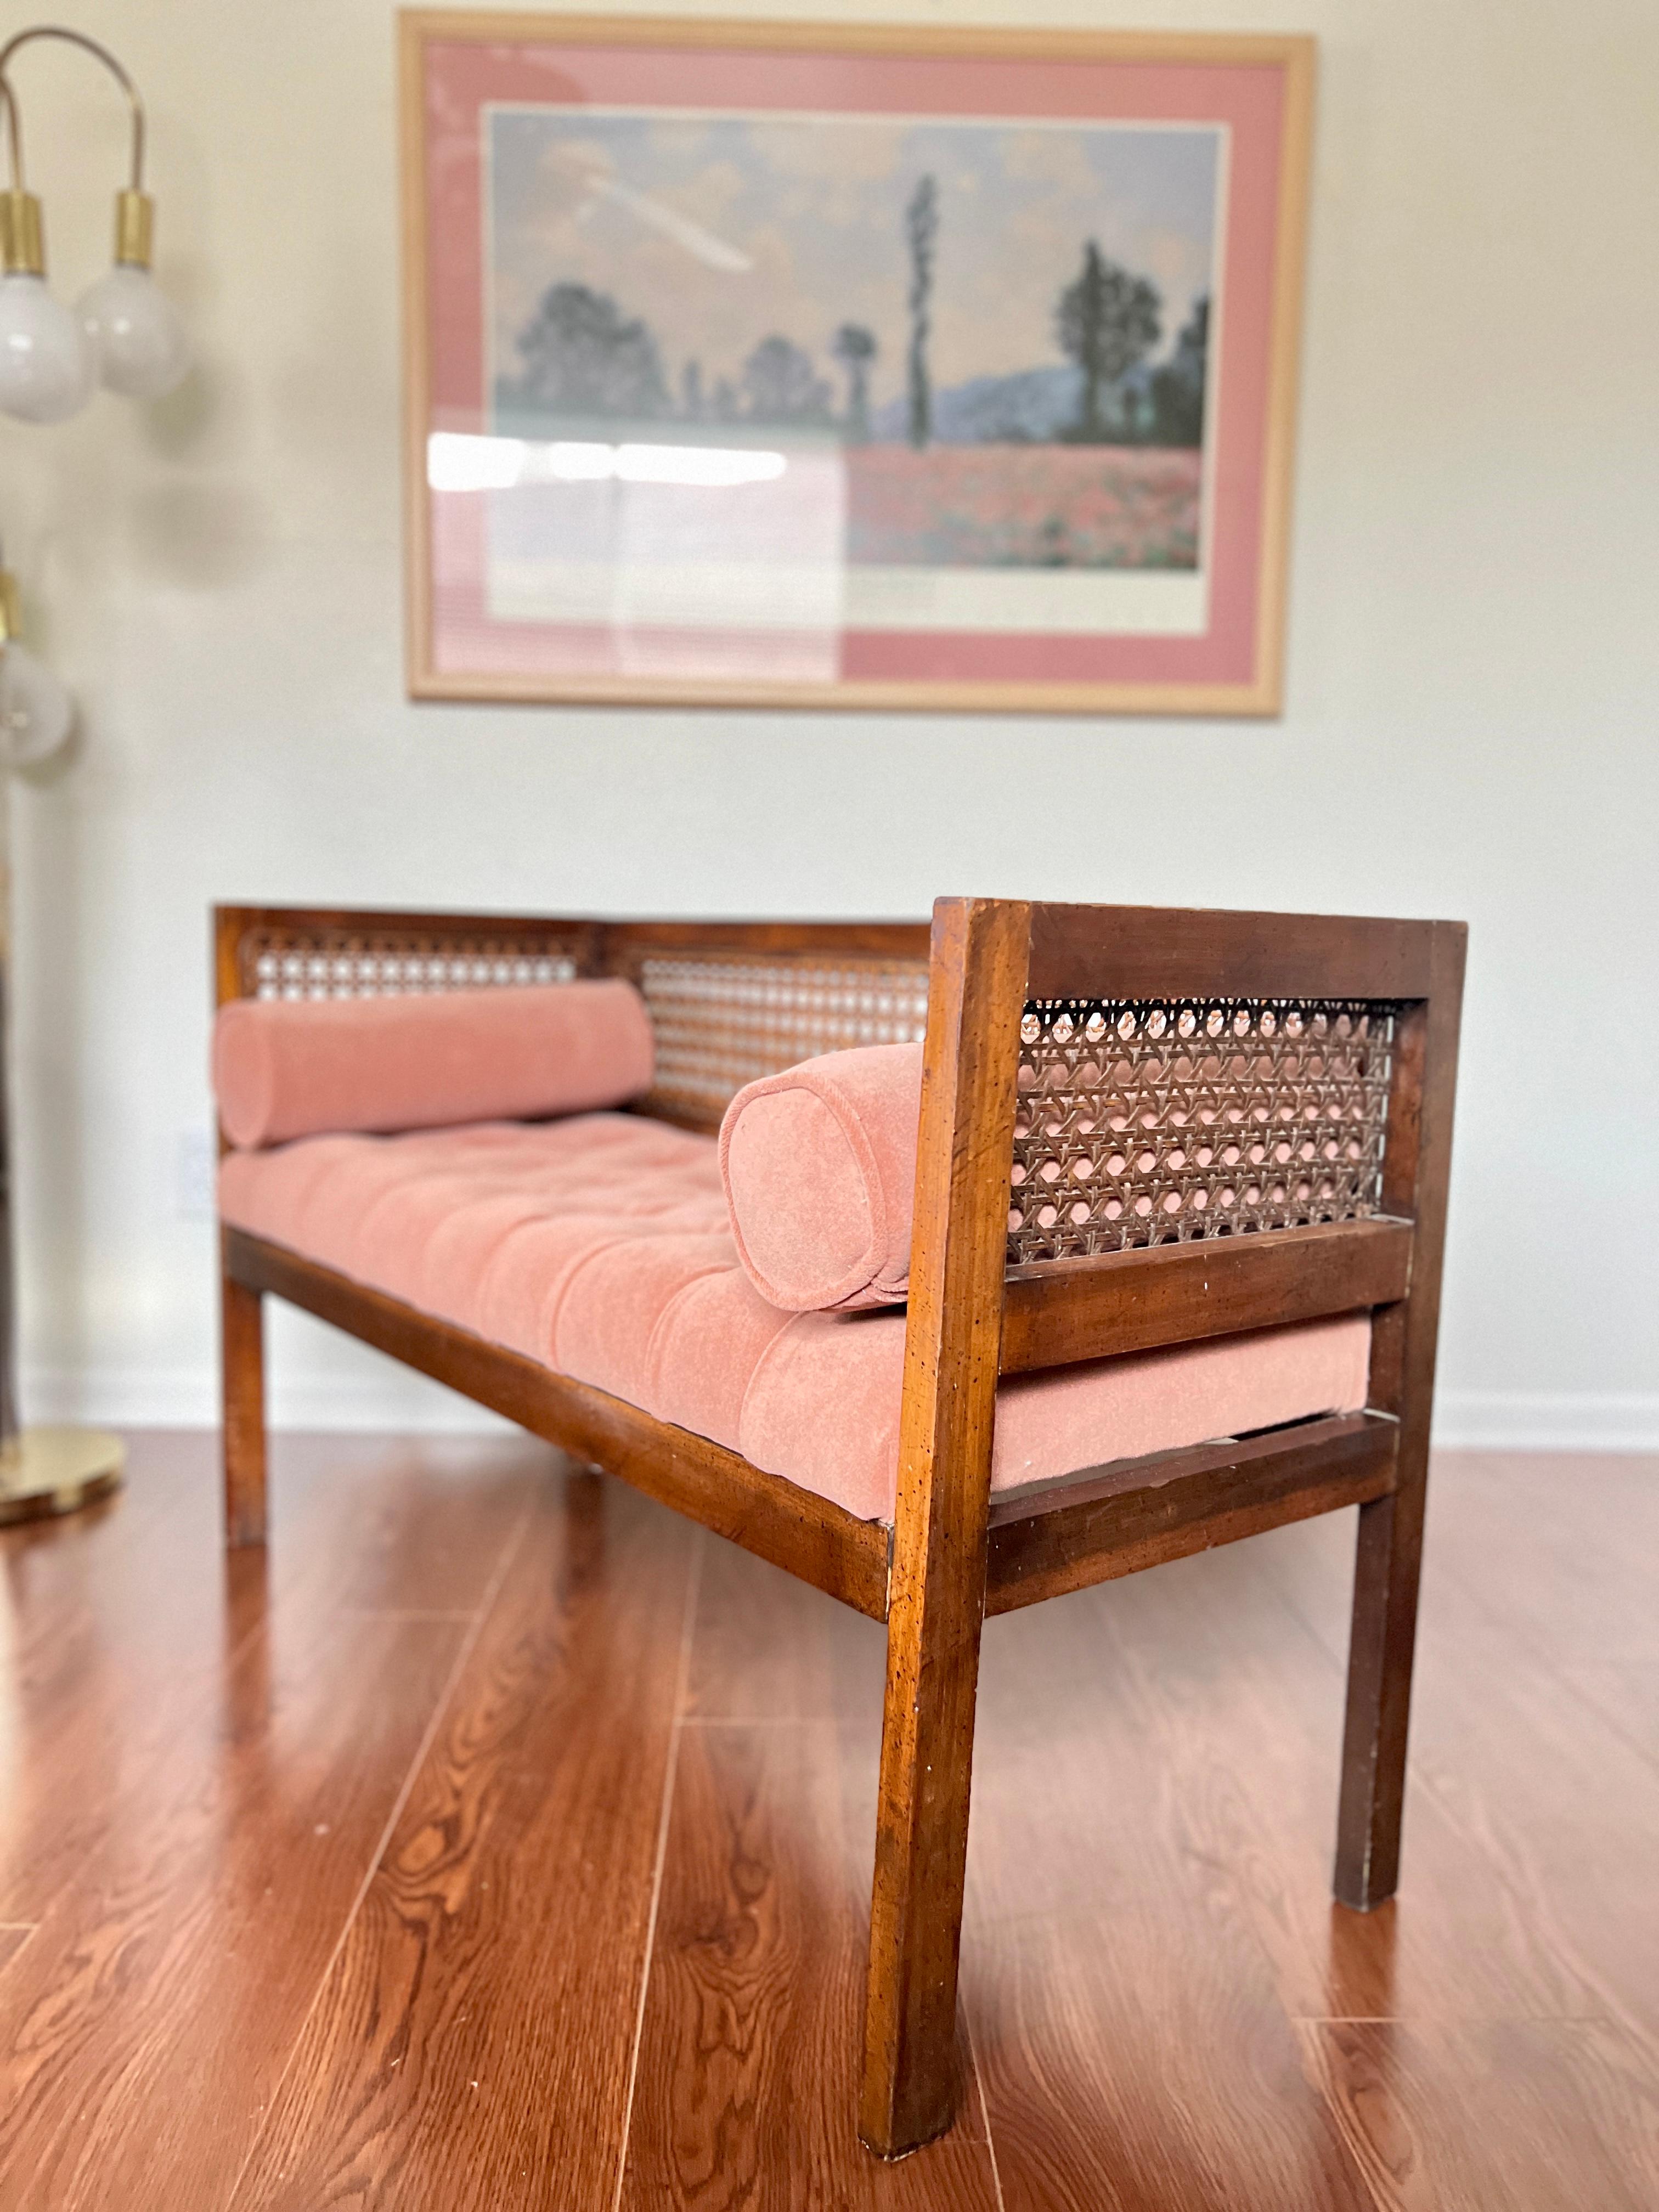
{"type": "Point", "coordinates": [398, 1400]}
{"type": "Point", "coordinates": [188, 1398]}
{"type": "Point", "coordinates": [1547, 1420]}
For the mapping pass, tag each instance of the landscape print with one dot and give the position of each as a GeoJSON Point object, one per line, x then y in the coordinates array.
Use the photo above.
{"type": "Point", "coordinates": [1000, 331]}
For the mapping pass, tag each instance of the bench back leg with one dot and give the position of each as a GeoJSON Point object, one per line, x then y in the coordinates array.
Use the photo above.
{"type": "Point", "coordinates": [242, 1378]}
{"type": "Point", "coordinates": [936, 1598]}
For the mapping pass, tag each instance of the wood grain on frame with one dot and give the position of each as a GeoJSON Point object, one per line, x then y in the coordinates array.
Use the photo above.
{"type": "Point", "coordinates": [1260, 694]}
{"type": "Point", "coordinates": [937, 1587]}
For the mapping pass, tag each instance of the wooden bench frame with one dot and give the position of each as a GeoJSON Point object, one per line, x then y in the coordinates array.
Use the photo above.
{"type": "Point", "coordinates": [954, 1553]}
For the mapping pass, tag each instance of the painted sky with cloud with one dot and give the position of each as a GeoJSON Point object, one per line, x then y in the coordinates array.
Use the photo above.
{"type": "Point", "coordinates": [721, 230]}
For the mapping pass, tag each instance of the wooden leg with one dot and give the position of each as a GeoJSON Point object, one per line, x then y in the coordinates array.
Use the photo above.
{"type": "Point", "coordinates": [936, 1590]}
{"type": "Point", "coordinates": [1379, 1696]}
{"type": "Point", "coordinates": [910, 2073]}
{"type": "Point", "coordinates": [242, 1357]}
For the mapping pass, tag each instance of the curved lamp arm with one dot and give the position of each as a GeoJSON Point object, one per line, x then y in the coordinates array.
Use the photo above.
{"type": "Point", "coordinates": [14, 129]}
{"type": "Point", "coordinates": [135, 106]}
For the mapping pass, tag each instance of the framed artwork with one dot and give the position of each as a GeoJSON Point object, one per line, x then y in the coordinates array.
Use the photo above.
{"type": "Point", "coordinates": [766, 364]}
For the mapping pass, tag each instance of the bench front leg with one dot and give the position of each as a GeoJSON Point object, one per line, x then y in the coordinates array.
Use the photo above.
{"type": "Point", "coordinates": [242, 1380]}
{"type": "Point", "coordinates": [910, 2073]}
{"type": "Point", "coordinates": [936, 1596]}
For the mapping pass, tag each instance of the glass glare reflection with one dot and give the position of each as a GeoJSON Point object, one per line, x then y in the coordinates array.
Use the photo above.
{"type": "Point", "coordinates": [460, 462]}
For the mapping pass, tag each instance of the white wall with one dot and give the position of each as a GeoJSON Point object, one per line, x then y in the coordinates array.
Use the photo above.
{"type": "Point", "coordinates": [1474, 696]}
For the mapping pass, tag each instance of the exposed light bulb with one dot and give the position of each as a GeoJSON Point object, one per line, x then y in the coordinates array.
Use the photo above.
{"type": "Point", "coordinates": [35, 710]}
{"type": "Point", "coordinates": [134, 332]}
{"type": "Point", "coordinates": [47, 365]}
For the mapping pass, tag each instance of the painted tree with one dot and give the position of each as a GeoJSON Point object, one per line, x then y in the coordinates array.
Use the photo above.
{"type": "Point", "coordinates": [1178, 385]}
{"type": "Point", "coordinates": [582, 355]}
{"type": "Point", "coordinates": [1108, 321]}
{"type": "Point", "coordinates": [921, 235]}
{"type": "Point", "coordinates": [779, 384]}
{"type": "Point", "coordinates": [855, 347]}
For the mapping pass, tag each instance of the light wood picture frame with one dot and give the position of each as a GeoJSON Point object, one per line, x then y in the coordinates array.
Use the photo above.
{"type": "Point", "coordinates": [881, 367]}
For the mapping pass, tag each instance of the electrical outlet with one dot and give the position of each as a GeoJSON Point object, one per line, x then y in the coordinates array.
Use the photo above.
{"type": "Point", "coordinates": [195, 1180]}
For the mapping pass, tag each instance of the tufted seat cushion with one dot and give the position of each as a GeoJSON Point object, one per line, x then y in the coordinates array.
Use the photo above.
{"type": "Point", "coordinates": [601, 1247]}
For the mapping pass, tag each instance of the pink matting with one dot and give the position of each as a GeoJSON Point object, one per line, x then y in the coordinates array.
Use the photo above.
{"type": "Point", "coordinates": [463, 77]}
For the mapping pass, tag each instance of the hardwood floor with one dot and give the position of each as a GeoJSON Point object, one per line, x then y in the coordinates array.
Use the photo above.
{"type": "Point", "coordinates": [505, 1842]}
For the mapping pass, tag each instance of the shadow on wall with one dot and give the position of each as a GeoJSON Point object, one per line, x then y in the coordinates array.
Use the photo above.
{"type": "Point", "coordinates": [200, 531]}
{"type": "Point", "coordinates": [201, 537]}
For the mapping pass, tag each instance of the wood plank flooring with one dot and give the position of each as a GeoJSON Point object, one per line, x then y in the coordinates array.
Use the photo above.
{"type": "Point", "coordinates": [503, 1842]}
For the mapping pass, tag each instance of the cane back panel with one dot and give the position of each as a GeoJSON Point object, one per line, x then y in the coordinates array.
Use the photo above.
{"type": "Point", "coordinates": [1144, 1122]}
{"type": "Point", "coordinates": [277, 960]}
{"type": "Point", "coordinates": [724, 1019]}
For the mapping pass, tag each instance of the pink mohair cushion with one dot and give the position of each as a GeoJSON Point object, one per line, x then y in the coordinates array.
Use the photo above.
{"type": "Point", "coordinates": [301, 1067]}
{"type": "Point", "coordinates": [819, 1165]}
{"type": "Point", "coordinates": [600, 1246]}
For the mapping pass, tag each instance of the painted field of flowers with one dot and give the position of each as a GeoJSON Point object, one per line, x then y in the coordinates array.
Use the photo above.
{"type": "Point", "coordinates": [1024, 506]}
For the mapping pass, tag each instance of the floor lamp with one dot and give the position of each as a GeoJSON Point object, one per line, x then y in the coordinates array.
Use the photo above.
{"type": "Point", "coordinates": [124, 334]}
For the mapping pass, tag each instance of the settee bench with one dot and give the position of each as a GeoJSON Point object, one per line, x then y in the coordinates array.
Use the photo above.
{"type": "Point", "coordinates": [1159, 1268]}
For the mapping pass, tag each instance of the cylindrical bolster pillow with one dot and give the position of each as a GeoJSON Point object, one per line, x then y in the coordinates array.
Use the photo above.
{"type": "Point", "coordinates": [819, 1165]}
{"type": "Point", "coordinates": [297, 1067]}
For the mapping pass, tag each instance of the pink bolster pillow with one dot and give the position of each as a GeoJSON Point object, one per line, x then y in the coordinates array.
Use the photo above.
{"type": "Point", "coordinates": [298, 1068]}
{"type": "Point", "coordinates": [819, 1165]}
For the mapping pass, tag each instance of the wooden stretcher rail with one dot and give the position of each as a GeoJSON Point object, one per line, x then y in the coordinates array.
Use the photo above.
{"type": "Point", "coordinates": [794, 1528]}
{"type": "Point", "coordinates": [1064, 1311]}
{"type": "Point", "coordinates": [1144, 1512]}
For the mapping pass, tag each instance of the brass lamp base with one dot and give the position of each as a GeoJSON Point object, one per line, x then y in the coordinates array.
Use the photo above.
{"type": "Point", "coordinates": [58, 1471]}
